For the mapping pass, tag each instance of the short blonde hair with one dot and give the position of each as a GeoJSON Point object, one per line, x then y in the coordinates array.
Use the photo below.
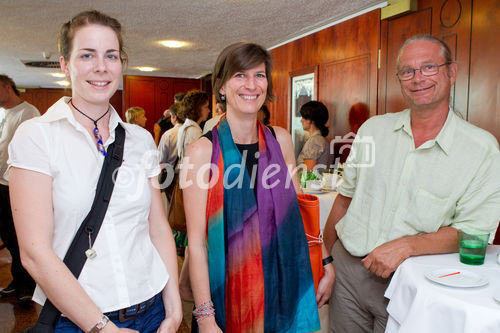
{"type": "Point", "coordinates": [133, 113]}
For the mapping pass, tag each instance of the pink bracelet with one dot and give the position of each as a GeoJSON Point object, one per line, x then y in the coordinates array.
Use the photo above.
{"type": "Point", "coordinates": [204, 310]}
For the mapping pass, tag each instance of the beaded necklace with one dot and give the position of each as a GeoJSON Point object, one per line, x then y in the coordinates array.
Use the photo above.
{"type": "Point", "coordinates": [100, 144]}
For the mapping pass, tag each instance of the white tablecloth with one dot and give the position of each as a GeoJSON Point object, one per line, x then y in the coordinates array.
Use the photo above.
{"type": "Point", "coordinates": [419, 305]}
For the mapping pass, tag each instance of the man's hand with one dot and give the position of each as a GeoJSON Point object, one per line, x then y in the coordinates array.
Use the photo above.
{"type": "Point", "coordinates": [325, 285]}
{"type": "Point", "coordinates": [386, 258]}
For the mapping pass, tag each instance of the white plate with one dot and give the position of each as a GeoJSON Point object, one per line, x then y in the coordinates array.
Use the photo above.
{"type": "Point", "coordinates": [496, 295]}
{"type": "Point", "coordinates": [310, 191]}
{"type": "Point", "coordinates": [466, 279]}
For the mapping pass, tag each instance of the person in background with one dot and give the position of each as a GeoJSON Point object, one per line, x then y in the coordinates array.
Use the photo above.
{"type": "Point", "coordinates": [136, 115]}
{"type": "Point", "coordinates": [13, 111]}
{"type": "Point", "coordinates": [168, 148]}
{"type": "Point", "coordinates": [411, 180]}
{"type": "Point", "coordinates": [210, 123]}
{"type": "Point", "coordinates": [249, 258]}
{"type": "Point", "coordinates": [164, 123]}
{"type": "Point", "coordinates": [193, 109]}
{"type": "Point", "coordinates": [315, 152]}
{"type": "Point", "coordinates": [264, 115]}
{"type": "Point", "coordinates": [55, 161]}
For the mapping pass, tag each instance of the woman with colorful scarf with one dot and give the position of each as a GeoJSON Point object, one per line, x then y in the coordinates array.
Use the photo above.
{"type": "Point", "coordinates": [249, 260]}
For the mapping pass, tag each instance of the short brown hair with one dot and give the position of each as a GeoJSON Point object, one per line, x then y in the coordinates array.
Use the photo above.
{"type": "Point", "coordinates": [190, 107]}
{"type": "Point", "coordinates": [7, 81]}
{"type": "Point", "coordinates": [238, 57]}
{"type": "Point", "coordinates": [68, 30]}
{"type": "Point", "coordinates": [174, 112]}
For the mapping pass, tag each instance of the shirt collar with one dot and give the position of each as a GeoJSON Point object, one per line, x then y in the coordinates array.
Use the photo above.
{"type": "Point", "coordinates": [188, 122]}
{"type": "Point", "coordinates": [403, 122]}
{"type": "Point", "coordinates": [61, 110]}
{"type": "Point", "coordinates": [445, 136]}
{"type": "Point", "coordinates": [444, 139]}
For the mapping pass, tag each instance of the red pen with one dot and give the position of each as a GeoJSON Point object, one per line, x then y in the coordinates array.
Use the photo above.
{"type": "Point", "coordinates": [448, 275]}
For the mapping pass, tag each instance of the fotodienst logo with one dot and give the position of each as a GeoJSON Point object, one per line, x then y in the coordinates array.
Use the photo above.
{"type": "Point", "coordinates": [362, 150]}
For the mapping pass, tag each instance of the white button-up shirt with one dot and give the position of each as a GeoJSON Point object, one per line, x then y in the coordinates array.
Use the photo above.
{"type": "Point", "coordinates": [398, 190]}
{"type": "Point", "coordinates": [128, 269]}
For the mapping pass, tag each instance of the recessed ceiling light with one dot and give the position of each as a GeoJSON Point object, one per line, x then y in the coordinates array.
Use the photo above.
{"type": "Point", "coordinates": [58, 74]}
{"type": "Point", "coordinates": [172, 43]}
{"type": "Point", "coordinates": [146, 69]}
{"type": "Point", "coordinates": [63, 83]}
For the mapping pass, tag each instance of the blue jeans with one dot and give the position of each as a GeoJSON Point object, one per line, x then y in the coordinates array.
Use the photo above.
{"type": "Point", "coordinates": [146, 322]}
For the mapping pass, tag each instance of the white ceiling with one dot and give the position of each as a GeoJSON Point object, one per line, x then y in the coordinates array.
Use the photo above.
{"type": "Point", "coordinates": [30, 27]}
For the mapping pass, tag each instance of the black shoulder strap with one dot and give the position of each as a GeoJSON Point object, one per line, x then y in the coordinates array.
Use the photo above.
{"type": "Point", "coordinates": [75, 257]}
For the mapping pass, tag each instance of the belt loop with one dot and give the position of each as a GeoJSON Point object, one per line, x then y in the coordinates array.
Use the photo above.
{"type": "Point", "coordinates": [143, 306]}
{"type": "Point", "coordinates": [122, 317]}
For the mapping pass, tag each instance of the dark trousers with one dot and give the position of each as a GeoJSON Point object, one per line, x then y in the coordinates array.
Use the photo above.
{"type": "Point", "coordinates": [22, 280]}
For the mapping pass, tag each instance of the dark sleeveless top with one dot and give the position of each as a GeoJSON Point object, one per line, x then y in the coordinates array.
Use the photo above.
{"type": "Point", "coordinates": [252, 151]}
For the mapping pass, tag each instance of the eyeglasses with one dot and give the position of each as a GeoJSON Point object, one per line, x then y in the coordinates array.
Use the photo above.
{"type": "Point", "coordinates": [426, 70]}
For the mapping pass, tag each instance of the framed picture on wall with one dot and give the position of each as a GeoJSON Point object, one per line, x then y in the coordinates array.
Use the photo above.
{"type": "Point", "coordinates": [303, 88]}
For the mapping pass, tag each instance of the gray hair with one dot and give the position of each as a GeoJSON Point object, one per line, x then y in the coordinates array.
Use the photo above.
{"type": "Point", "coordinates": [445, 50]}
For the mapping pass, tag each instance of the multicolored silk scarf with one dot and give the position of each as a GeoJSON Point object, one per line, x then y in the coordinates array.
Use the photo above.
{"type": "Point", "coordinates": [260, 272]}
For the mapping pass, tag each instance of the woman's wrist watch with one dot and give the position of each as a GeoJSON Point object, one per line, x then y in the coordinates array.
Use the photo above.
{"type": "Point", "coordinates": [100, 324]}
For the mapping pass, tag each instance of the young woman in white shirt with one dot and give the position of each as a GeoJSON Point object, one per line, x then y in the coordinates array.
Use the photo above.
{"type": "Point", "coordinates": [55, 161]}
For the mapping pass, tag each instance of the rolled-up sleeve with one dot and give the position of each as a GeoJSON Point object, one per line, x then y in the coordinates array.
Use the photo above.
{"type": "Point", "coordinates": [152, 165]}
{"type": "Point", "coordinates": [30, 149]}
{"type": "Point", "coordinates": [478, 210]}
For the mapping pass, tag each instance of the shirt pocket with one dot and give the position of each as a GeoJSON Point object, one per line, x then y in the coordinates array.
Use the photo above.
{"type": "Point", "coordinates": [427, 212]}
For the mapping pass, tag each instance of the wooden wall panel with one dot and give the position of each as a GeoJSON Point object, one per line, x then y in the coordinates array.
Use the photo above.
{"type": "Point", "coordinates": [154, 94]}
{"type": "Point", "coordinates": [484, 97]}
{"type": "Point", "coordinates": [163, 98]}
{"type": "Point", "coordinates": [279, 108]}
{"type": "Point", "coordinates": [354, 38]}
{"type": "Point", "coordinates": [344, 83]}
{"type": "Point", "coordinates": [140, 91]}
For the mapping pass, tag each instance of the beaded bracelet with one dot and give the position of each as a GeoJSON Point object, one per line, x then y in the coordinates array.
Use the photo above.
{"type": "Point", "coordinates": [204, 310]}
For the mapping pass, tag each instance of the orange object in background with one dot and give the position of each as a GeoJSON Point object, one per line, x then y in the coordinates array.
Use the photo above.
{"type": "Point", "coordinates": [309, 209]}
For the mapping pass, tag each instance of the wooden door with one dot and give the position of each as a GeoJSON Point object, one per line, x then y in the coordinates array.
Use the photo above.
{"type": "Point", "coordinates": [445, 19]}
{"type": "Point", "coordinates": [346, 82]}
{"type": "Point", "coordinates": [484, 96]}
{"type": "Point", "coordinates": [140, 91]}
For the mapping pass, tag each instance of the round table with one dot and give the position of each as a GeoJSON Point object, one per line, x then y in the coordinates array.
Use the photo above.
{"type": "Point", "coordinates": [420, 305]}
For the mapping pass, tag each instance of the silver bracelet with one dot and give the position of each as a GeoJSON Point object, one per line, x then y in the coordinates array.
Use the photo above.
{"type": "Point", "coordinates": [100, 324]}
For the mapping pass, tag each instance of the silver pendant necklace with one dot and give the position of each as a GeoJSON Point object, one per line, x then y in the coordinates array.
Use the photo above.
{"type": "Point", "coordinates": [90, 253]}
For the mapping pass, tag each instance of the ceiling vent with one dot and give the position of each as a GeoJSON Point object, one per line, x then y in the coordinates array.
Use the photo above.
{"type": "Point", "coordinates": [41, 64]}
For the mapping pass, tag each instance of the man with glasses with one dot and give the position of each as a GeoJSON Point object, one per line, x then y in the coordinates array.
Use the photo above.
{"type": "Point", "coordinates": [428, 173]}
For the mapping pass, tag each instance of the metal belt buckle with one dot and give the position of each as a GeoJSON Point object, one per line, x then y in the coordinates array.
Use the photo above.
{"type": "Point", "coordinates": [122, 316]}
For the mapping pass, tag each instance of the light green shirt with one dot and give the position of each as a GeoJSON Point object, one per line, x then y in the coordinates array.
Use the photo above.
{"type": "Point", "coordinates": [397, 190]}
